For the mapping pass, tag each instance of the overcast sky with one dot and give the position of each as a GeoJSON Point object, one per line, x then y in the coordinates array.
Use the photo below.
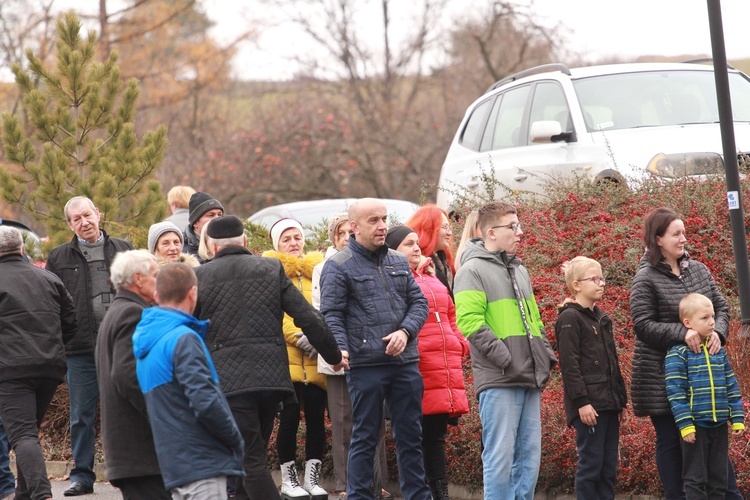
{"type": "Point", "coordinates": [598, 28]}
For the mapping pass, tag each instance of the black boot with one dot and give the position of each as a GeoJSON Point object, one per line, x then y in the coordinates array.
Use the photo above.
{"type": "Point", "coordinates": [439, 489]}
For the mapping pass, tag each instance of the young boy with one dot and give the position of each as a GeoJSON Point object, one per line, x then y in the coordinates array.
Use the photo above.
{"type": "Point", "coordinates": [197, 441]}
{"type": "Point", "coordinates": [704, 395]}
{"type": "Point", "coordinates": [511, 357]}
{"type": "Point", "coordinates": [595, 394]}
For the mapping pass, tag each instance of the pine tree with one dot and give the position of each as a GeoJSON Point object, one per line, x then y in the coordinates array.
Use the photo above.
{"type": "Point", "coordinates": [80, 140]}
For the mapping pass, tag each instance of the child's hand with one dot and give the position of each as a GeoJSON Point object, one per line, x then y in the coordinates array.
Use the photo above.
{"type": "Point", "coordinates": [588, 415]}
{"type": "Point", "coordinates": [690, 438]}
{"type": "Point", "coordinates": [737, 432]}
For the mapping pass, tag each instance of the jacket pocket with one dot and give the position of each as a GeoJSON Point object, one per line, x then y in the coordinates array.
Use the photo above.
{"type": "Point", "coordinates": [364, 286]}
{"type": "Point", "coordinates": [400, 280]}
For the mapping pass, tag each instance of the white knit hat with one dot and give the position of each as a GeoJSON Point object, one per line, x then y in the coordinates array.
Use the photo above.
{"type": "Point", "coordinates": [157, 230]}
{"type": "Point", "coordinates": [282, 225]}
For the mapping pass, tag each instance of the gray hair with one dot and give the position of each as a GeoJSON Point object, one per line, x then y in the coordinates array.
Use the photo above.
{"type": "Point", "coordinates": [74, 202]}
{"type": "Point", "coordinates": [234, 241]}
{"type": "Point", "coordinates": [11, 240]}
{"type": "Point", "coordinates": [126, 264]}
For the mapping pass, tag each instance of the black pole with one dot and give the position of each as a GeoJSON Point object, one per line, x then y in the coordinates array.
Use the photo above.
{"type": "Point", "coordinates": [734, 193]}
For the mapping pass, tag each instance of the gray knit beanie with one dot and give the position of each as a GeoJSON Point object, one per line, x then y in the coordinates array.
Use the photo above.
{"type": "Point", "coordinates": [157, 230]}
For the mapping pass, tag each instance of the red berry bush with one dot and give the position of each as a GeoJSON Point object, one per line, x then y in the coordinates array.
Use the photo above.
{"type": "Point", "coordinates": [604, 222]}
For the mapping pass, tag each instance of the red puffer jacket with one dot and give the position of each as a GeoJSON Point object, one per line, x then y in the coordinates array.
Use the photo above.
{"type": "Point", "coordinates": [441, 349]}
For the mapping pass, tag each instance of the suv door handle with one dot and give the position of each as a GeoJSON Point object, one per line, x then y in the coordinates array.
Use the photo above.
{"type": "Point", "coordinates": [520, 177]}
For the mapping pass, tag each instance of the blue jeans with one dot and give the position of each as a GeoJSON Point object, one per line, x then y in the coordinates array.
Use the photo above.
{"type": "Point", "coordinates": [401, 387]}
{"type": "Point", "coordinates": [84, 396]}
{"type": "Point", "coordinates": [512, 437]}
{"type": "Point", "coordinates": [7, 480]}
{"type": "Point", "coordinates": [597, 456]}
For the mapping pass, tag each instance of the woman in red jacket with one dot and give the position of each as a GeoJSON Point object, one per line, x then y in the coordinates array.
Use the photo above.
{"type": "Point", "coordinates": [441, 349]}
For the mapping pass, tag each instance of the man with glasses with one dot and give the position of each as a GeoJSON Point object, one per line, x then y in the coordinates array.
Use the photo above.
{"type": "Point", "coordinates": [511, 357]}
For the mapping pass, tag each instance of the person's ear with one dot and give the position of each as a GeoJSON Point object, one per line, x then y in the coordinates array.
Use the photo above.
{"type": "Point", "coordinates": [156, 296]}
{"type": "Point", "coordinates": [686, 322]}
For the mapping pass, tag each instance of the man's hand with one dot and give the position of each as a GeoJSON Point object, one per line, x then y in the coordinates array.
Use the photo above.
{"type": "Point", "coordinates": [344, 363]}
{"type": "Point", "coordinates": [623, 417]}
{"type": "Point", "coordinates": [690, 438]}
{"type": "Point", "coordinates": [588, 415]}
{"type": "Point", "coordinates": [396, 342]}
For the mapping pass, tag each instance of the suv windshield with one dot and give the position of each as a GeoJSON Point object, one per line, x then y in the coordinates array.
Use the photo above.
{"type": "Point", "coordinates": [657, 98]}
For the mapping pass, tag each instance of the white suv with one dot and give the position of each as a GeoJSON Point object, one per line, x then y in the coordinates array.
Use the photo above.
{"type": "Point", "coordinates": [612, 122]}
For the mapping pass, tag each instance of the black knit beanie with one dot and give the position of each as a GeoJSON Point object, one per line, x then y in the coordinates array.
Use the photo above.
{"type": "Point", "coordinates": [200, 203]}
{"type": "Point", "coordinates": [396, 235]}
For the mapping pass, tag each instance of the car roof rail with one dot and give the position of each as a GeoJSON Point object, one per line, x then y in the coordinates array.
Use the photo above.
{"type": "Point", "coordinates": [706, 60]}
{"type": "Point", "coordinates": [536, 69]}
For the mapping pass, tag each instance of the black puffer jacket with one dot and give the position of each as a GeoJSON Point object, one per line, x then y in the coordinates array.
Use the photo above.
{"type": "Point", "coordinates": [245, 297]}
{"type": "Point", "coordinates": [654, 300]}
{"type": "Point", "coordinates": [67, 262]}
{"type": "Point", "coordinates": [37, 316]}
{"type": "Point", "coordinates": [588, 361]}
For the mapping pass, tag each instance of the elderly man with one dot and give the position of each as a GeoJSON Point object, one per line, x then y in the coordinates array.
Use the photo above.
{"type": "Point", "coordinates": [203, 208]}
{"type": "Point", "coordinates": [37, 317]}
{"type": "Point", "coordinates": [245, 297]}
{"type": "Point", "coordinates": [375, 309]}
{"type": "Point", "coordinates": [128, 443]}
{"type": "Point", "coordinates": [83, 266]}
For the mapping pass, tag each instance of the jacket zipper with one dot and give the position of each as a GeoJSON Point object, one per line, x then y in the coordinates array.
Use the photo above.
{"type": "Point", "coordinates": [304, 372]}
{"type": "Point", "coordinates": [704, 347]}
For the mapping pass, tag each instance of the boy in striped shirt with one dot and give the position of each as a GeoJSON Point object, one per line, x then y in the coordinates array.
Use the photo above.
{"type": "Point", "coordinates": [704, 396]}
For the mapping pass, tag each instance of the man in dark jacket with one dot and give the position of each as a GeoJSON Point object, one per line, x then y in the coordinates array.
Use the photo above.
{"type": "Point", "coordinates": [128, 443]}
{"type": "Point", "coordinates": [196, 438]}
{"type": "Point", "coordinates": [375, 309]}
{"type": "Point", "coordinates": [203, 208]}
{"type": "Point", "coordinates": [245, 297]}
{"type": "Point", "coordinates": [83, 266]}
{"type": "Point", "coordinates": [37, 317]}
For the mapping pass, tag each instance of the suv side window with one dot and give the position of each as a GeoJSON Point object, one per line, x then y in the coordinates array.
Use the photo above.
{"type": "Point", "coordinates": [504, 129]}
{"type": "Point", "coordinates": [549, 104]}
{"type": "Point", "coordinates": [475, 125]}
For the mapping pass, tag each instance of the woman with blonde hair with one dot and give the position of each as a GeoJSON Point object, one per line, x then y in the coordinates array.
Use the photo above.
{"type": "Point", "coordinates": [471, 230]}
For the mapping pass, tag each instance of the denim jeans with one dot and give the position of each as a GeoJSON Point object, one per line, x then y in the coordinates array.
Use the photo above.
{"type": "Point", "coordinates": [597, 456]}
{"type": "Point", "coordinates": [401, 386]}
{"type": "Point", "coordinates": [512, 438]}
{"type": "Point", "coordinates": [84, 396]}
{"type": "Point", "coordinates": [7, 480]}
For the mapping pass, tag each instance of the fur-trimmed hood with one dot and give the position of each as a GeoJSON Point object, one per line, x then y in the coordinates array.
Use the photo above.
{"type": "Point", "coordinates": [185, 258]}
{"type": "Point", "coordinates": [294, 267]}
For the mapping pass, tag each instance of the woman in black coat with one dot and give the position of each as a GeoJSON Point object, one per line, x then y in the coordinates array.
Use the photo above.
{"type": "Point", "coordinates": [665, 275]}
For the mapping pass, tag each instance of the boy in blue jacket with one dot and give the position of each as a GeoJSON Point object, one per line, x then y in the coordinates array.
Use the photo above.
{"type": "Point", "coordinates": [197, 441]}
{"type": "Point", "coordinates": [704, 395]}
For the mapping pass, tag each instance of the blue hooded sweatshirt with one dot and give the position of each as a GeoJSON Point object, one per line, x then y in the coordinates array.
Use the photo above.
{"type": "Point", "coordinates": [194, 432]}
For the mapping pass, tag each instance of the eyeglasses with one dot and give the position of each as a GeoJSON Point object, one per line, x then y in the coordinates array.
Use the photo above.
{"type": "Point", "coordinates": [445, 227]}
{"type": "Point", "coordinates": [598, 280]}
{"type": "Point", "coordinates": [515, 226]}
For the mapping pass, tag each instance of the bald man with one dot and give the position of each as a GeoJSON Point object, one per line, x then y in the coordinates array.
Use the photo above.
{"type": "Point", "coordinates": [375, 309]}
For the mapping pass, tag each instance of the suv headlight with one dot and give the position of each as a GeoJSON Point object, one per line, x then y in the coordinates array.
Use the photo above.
{"type": "Point", "coordinates": [686, 164]}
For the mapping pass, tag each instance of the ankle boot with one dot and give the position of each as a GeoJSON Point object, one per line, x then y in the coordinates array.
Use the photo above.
{"type": "Point", "coordinates": [439, 489]}
{"type": "Point", "coordinates": [290, 487]}
{"type": "Point", "coordinates": [312, 475]}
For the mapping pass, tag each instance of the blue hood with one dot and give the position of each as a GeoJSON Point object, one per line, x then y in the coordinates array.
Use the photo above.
{"type": "Point", "coordinates": [157, 321]}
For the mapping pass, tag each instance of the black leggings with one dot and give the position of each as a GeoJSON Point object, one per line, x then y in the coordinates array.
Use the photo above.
{"type": "Point", "coordinates": [434, 428]}
{"type": "Point", "coordinates": [313, 399]}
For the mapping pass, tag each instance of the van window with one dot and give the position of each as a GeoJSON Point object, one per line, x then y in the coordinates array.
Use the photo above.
{"type": "Point", "coordinates": [475, 125]}
{"type": "Point", "coordinates": [549, 104]}
{"type": "Point", "coordinates": [504, 130]}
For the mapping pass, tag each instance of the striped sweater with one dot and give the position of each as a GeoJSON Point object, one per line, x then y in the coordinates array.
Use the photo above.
{"type": "Point", "coordinates": [702, 389]}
